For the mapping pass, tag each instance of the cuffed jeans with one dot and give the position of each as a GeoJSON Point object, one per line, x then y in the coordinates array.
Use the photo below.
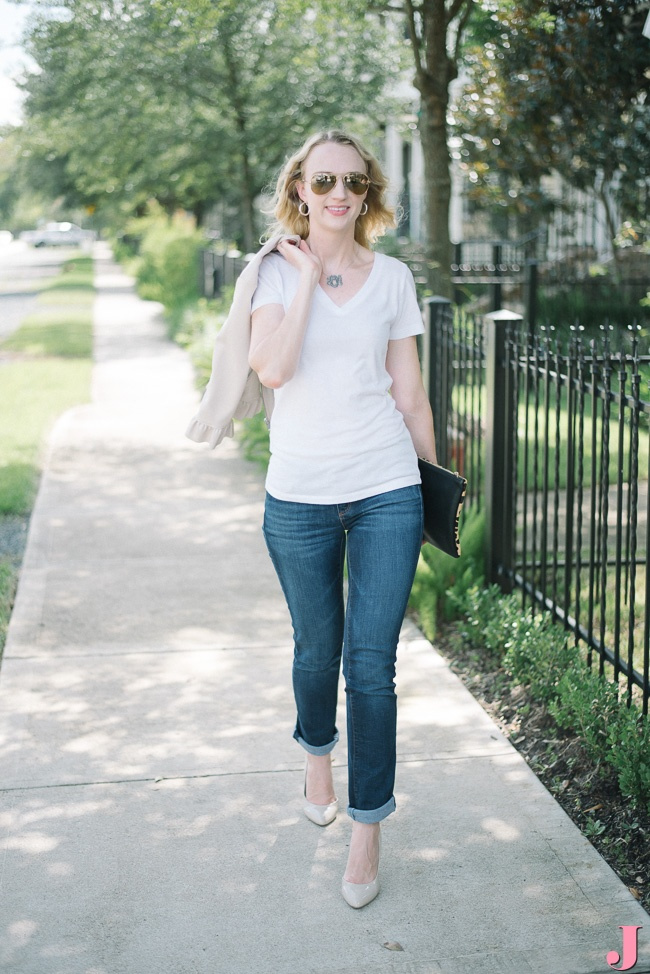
{"type": "Point", "coordinates": [307, 544]}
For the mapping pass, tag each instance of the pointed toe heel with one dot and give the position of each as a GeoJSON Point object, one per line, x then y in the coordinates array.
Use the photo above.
{"type": "Point", "coordinates": [321, 814]}
{"type": "Point", "coordinates": [357, 895]}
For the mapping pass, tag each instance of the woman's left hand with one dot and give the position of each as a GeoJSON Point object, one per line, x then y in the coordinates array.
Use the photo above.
{"type": "Point", "coordinates": [301, 257]}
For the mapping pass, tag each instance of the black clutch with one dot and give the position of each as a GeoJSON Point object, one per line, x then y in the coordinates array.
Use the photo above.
{"type": "Point", "coordinates": [443, 493]}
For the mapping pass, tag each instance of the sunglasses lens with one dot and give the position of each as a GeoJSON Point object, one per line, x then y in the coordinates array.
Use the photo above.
{"type": "Point", "coordinates": [322, 183]}
{"type": "Point", "coordinates": [356, 182]}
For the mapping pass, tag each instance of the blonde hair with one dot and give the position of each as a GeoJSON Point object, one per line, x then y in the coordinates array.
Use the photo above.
{"type": "Point", "coordinates": [368, 228]}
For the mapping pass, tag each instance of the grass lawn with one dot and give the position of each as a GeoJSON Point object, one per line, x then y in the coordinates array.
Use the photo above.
{"type": "Point", "coordinates": [8, 576]}
{"type": "Point", "coordinates": [45, 369]}
{"type": "Point", "coordinates": [33, 392]}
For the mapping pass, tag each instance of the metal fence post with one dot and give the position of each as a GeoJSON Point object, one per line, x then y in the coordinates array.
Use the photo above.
{"type": "Point", "coordinates": [497, 259]}
{"type": "Point", "coordinates": [202, 273]}
{"type": "Point", "coordinates": [499, 442]}
{"type": "Point", "coordinates": [459, 295]}
{"type": "Point", "coordinates": [530, 291]}
{"type": "Point", "coordinates": [436, 311]}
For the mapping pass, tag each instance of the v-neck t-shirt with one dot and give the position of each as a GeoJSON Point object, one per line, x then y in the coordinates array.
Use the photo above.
{"type": "Point", "coordinates": [336, 434]}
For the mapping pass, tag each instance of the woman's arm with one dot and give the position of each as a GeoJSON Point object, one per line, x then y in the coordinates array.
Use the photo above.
{"type": "Point", "coordinates": [276, 337]}
{"type": "Point", "coordinates": [403, 366]}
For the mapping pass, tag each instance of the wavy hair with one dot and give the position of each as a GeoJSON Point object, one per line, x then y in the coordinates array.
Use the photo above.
{"type": "Point", "coordinates": [368, 228]}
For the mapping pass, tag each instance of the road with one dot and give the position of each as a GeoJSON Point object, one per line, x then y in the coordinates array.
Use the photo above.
{"type": "Point", "coordinates": [23, 271]}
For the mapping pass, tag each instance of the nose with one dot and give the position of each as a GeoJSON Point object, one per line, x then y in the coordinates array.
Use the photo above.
{"type": "Point", "coordinates": [339, 183]}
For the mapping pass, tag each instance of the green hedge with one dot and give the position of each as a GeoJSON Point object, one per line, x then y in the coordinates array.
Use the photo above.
{"type": "Point", "coordinates": [536, 653]}
{"type": "Point", "coordinates": [166, 267]}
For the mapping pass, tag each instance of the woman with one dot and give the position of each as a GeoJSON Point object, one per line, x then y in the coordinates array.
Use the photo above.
{"type": "Point", "coordinates": [332, 332]}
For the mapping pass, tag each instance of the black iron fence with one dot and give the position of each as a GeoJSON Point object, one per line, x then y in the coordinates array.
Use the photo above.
{"type": "Point", "coordinates": [491, 274]}
{"type": "Point", "coordinates": [218, 269]}
{"type": "Point", "coordinates": [555, 438]}
{"type": "Point", "coordinates": [554, 441]}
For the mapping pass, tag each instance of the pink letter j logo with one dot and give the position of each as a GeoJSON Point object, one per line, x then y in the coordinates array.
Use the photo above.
{"type": "Point", "coordinates": [629, 956]}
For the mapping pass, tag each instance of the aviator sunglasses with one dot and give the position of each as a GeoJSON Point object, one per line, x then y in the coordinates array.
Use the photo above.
{"type": "Point", "coordinates": [322, 182]}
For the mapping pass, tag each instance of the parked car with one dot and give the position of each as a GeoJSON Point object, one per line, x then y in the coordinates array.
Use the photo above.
{"type": "Point", "coordinates": [58, 234]}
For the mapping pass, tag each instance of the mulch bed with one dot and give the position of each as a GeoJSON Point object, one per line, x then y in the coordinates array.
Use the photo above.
{"type": "Point", "coordinates": [588, 793]}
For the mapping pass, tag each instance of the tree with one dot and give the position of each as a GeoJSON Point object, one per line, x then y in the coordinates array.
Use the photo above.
{"type": "Point", "coordinates": [193, 103]}
{"type": "Point", "coordinates": [560, 87]}
{"type": "Point", "coordinates": [435, 30]}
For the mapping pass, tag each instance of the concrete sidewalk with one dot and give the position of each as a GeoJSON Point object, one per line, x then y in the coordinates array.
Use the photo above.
{"type": "Point", "coordinates": [150, 808]}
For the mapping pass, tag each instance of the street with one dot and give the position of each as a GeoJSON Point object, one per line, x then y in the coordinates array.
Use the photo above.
{"type": "Point", "coordinates": [23, 272]}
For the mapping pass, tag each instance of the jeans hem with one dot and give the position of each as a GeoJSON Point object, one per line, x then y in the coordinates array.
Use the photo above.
{"type": "Point", "coordinates": [325, 749]}
{"type": "Point", "coordinates": [373, 815]}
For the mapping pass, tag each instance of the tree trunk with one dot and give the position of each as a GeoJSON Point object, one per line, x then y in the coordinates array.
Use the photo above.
{"type": "Point", "coordinates": [246, 211]}
{"type": "Point", "coordinates": [246, 199]}
{"type": "Point", "coordinates": [437, 191]}
{"type": "Point", "coordinates": [198, 211]}
{"type": "Point", "coordinates": [429, 26]}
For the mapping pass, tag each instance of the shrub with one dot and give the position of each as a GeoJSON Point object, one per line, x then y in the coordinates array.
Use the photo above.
{"type": "Point", "coordinates": [562, 310]}
{"type": "Point", "coordinates": [628, 737]}
{"type": "Point", "coordinates": [197, 329]}
{"type": "Point", "coordinates": [441, 582]}
{"type": "Point", "coordinates": [169, 266]}
{"type": "Point", "coordinates": [587, 704]}
{"type": "Point", "coordinates": [490, 618]}
{"type": "Point", "coordinates": [198, 326]}
{"type": "Point", "coordinates": [534, 650]}
{"type": "Point", "coordinates": [166, 267]}
{"type": "Point", "coordinates": [254, 438]}
{"type": "Point", "coordinates": [539, 656]}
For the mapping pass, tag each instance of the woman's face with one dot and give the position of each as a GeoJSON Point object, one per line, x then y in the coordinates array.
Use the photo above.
{"type": "Point", "coordinates": [339, 208]}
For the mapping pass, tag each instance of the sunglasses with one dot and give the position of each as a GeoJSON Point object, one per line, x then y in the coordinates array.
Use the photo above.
{"type": "Point", "coordinates": [322, 182]}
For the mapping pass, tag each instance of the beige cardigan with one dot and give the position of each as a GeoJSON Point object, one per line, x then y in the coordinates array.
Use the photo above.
{"type": "Point", "coordinates": [234, 390]}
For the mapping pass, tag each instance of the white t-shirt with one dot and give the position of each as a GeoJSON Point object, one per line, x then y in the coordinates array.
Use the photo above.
{"type": "Point", "coordinates": [336, 434]}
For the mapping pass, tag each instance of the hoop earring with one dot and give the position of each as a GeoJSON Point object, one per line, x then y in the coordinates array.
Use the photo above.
{"type": "Point", "coordinates": [304, 212]}
{"type": "Point", "coordinates": [362, 211]}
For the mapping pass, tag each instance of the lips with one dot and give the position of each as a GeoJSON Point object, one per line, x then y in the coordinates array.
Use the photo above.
{"type": "Point", "coordinates": [337, 210]}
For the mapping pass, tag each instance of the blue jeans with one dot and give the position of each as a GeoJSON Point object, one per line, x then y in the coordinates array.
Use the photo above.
{"type": "Point", "coordinates": [307, 544]}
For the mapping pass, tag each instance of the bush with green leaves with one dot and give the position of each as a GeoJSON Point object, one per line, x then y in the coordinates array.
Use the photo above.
{"type": "Point", "coordinates": [629, 754]}
{"type": "Point", "coordinates": [534, 650]}
{"type": "Point", "coordinates": [197, 328]}
{"type": "Point", "coordinates": [587, 704]}
{"type": "Point", "coordinates": [537, 654]}
{"type": "Point", "coordinates": [488, 617]}
{"type": "Point", "coordinates": [167, 265]}
{"type": "Point", "coordinates": [253, 435]}
{"type": "Point", "coordinates": [613, 734]}
{"type": "Point", "coordinates": [441, 582]}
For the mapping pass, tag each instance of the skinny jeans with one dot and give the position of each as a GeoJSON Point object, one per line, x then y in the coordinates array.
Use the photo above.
{"type": "Point", "coordinates": [308, 545]}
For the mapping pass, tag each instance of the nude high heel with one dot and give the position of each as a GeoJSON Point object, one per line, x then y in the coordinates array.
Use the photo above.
{"type": "Point", "coordinates": [319, 814]}
{"type": "Point", "coordinates": [357, 895]}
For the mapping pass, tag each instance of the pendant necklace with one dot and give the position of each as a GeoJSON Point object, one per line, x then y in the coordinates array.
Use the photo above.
{"type": "Point", "coordinates": [336, 280]}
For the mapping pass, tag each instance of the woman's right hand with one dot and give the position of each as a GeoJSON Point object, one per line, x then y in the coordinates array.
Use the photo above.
{"type": "Point", "coordinates": [301, 257]}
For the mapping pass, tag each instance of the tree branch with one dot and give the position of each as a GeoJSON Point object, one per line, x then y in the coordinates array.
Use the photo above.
{"type": "Point", "coordinates": [389, 6]}
{"type": "Point", "coordinates": [462, 23]}
{"type": "Point", "coordinates": [415, 40]}
{"type": "Point", "coordinates": [455, 8]}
